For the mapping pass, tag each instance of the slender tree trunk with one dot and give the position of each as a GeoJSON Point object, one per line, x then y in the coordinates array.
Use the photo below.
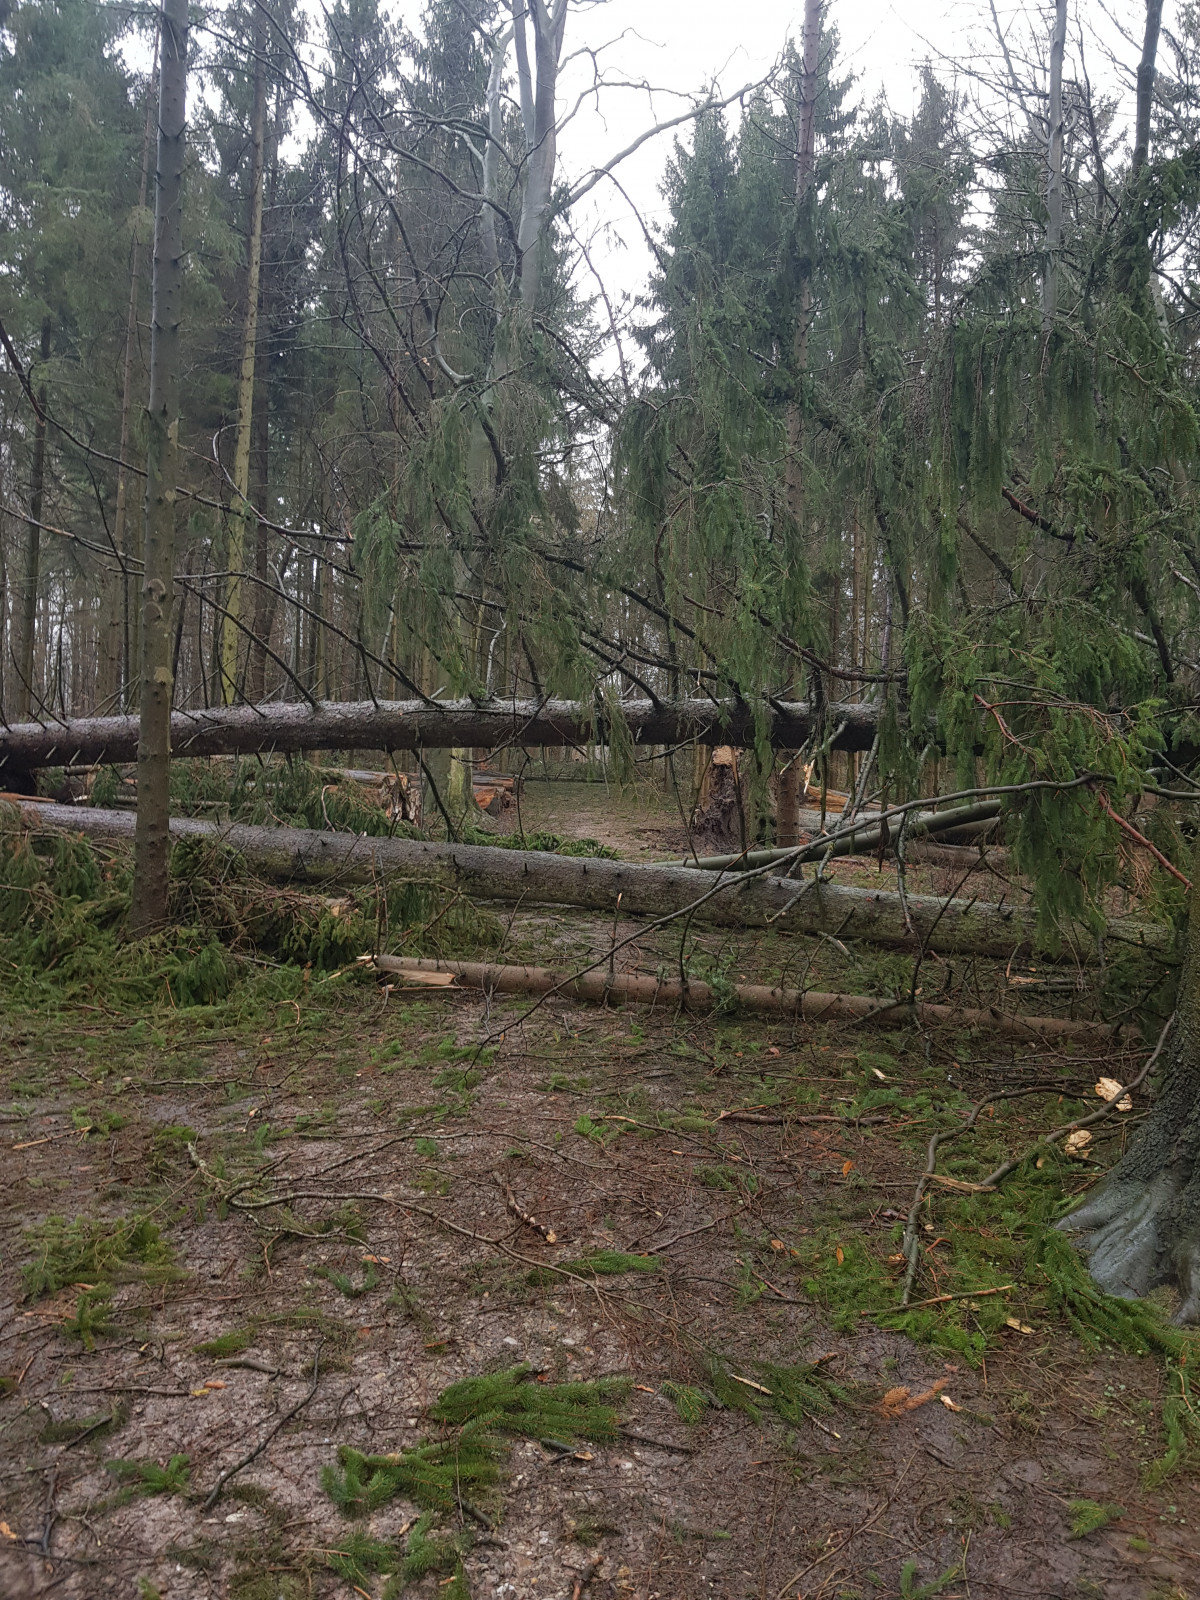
{"type": "Point", "coordinates": [148, 909]}
{"type": "Point", "coordinates": [1054, 178]}
{"type": "Point", "coordinates": [126, 619]}
{"type": "Point", "coordinates": [1145, 85]}
{"type": "Point", "coordinates": [239, 512]}
{"type": "Point", "coordinates": [33, 543]}
{"type": "Point", "coordinates": [265, 596]}
{"type": "Point", "coordinates": [787, 800]}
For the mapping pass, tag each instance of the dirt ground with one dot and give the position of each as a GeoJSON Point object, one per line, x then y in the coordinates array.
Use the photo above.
{"type": "Point", "coordinates": [236, 1240]}
{"type": "Point", "coordinates": [379, 1137]}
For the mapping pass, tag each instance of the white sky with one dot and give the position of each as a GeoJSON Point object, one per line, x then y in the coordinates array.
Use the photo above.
{"type": "Point", "coordinates": [682, 45]}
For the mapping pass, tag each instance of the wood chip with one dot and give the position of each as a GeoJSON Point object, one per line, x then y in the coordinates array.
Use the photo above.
{"type": "Point", "coordinates": [1108, 1089]}
{"type": "Point", "coordinates": [897, 1402]}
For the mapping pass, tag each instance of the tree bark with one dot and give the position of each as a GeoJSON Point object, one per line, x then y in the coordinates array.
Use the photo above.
{"type": "Point", "coordinates": [1141, 1229]}
{"type": "Point", "coordinates": [1145, 86]}
{"type": "Point", "coordinates": [526, 877]}
{"type": "Point", "coordinates": [33, 543]}
{"type": "Point", "coordinates": [148, 908]}
{"type": "Point", "coordinates": [124, 617]}
{"type": "Point", "coordinates": [538, 91]}
{"type": "Point", "coordinates": [240, 510]}
{"type": "Point", "coordinates": [788, 794]}
{"type": "Point", "coordinates": [811, 1005]}
{"type": "Point", "coordinates": [416, 724]}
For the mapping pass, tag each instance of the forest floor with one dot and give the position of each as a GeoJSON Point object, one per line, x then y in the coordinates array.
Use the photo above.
{"type": "Point", "coordinates": [392, 1262]}
{"type": "Point", "coordinates": [285, 1226]}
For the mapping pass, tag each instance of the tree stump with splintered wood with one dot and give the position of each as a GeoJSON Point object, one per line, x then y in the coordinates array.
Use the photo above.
{"type": "Point", "coordinates": [1141, 1228]}
{"type": "Point", "coordinates": [721, 804]}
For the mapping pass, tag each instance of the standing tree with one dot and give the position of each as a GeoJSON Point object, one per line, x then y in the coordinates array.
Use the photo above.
{"type": "Point", "coordinates": [240, 514]}
{"type": "Point", "coordinates": [148, 908]}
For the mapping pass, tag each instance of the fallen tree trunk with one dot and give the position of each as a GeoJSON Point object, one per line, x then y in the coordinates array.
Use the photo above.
{"type": "Point", "coordinates": [416, 725]}
{"type": "Point", "coordinates": [863, 838]}
{"type": "Point", "coordinates": [810, 1005]}
{"type": "Point", "coordinates": [526, 877]}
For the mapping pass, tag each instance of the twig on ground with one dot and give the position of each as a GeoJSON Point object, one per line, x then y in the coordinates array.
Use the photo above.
{"type": "Point", "coordinates": [214, 1493]}
{"type": "Point", "coordinates": [517, 1210]}
{"type": "Point", "coordinates": [941, 1299]}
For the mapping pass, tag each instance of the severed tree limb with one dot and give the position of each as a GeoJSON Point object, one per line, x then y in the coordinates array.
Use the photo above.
{"type": "Point", "coordinates": [695, 995]}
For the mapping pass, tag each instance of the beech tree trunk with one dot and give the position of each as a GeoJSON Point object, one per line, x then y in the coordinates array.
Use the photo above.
{"type": "Point", "coordinates": [417, 724]}
{"type": "Point", "coordinates": [1141, 1228]}
{"type": "Point", "coordinates": [486, 872]}
{"type": "Point", "coordinates": [148, 908]}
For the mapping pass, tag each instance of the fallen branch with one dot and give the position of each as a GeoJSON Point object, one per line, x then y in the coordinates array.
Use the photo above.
{"type": "Point", "coordinates": [214, 1493]}
{"type": "Point", "coordinates": [939, 1300]}
{"type": "Point", "coordinates": [863, 838]}
{"type": "Point", "coordinates": [524, 1217]}
{"type": "Point", "coordinates": [698, 996]}
{"type": "Point", "coordinates": [1140, 839]}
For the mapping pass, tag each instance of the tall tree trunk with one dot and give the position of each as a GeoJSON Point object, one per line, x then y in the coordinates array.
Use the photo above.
{"type": "Point", "coordinates": [538, 91]}
{"type": "Point", "coordinates": [33, 543]}
{"type": "Point", "coordinates": [1135, 275]}
{"type": "Point", "coordinates": [1054, 177]}
{"type": "Point", "coordinates": [265, 595]}
{"type": "Point", "coordinates": [124, 618]}
{"type": "Point", "coordinates": [787, 799]}
{"type": "Point", "coordinates": [239, 512]}
{"type": "Point", "coordinates": [152, 840]}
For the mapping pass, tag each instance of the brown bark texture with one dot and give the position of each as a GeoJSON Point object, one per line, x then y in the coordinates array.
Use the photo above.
{"type": "Point", "coordinates": [800, 1004]}
{"type": "Point", "coordinates": [152, 844]}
